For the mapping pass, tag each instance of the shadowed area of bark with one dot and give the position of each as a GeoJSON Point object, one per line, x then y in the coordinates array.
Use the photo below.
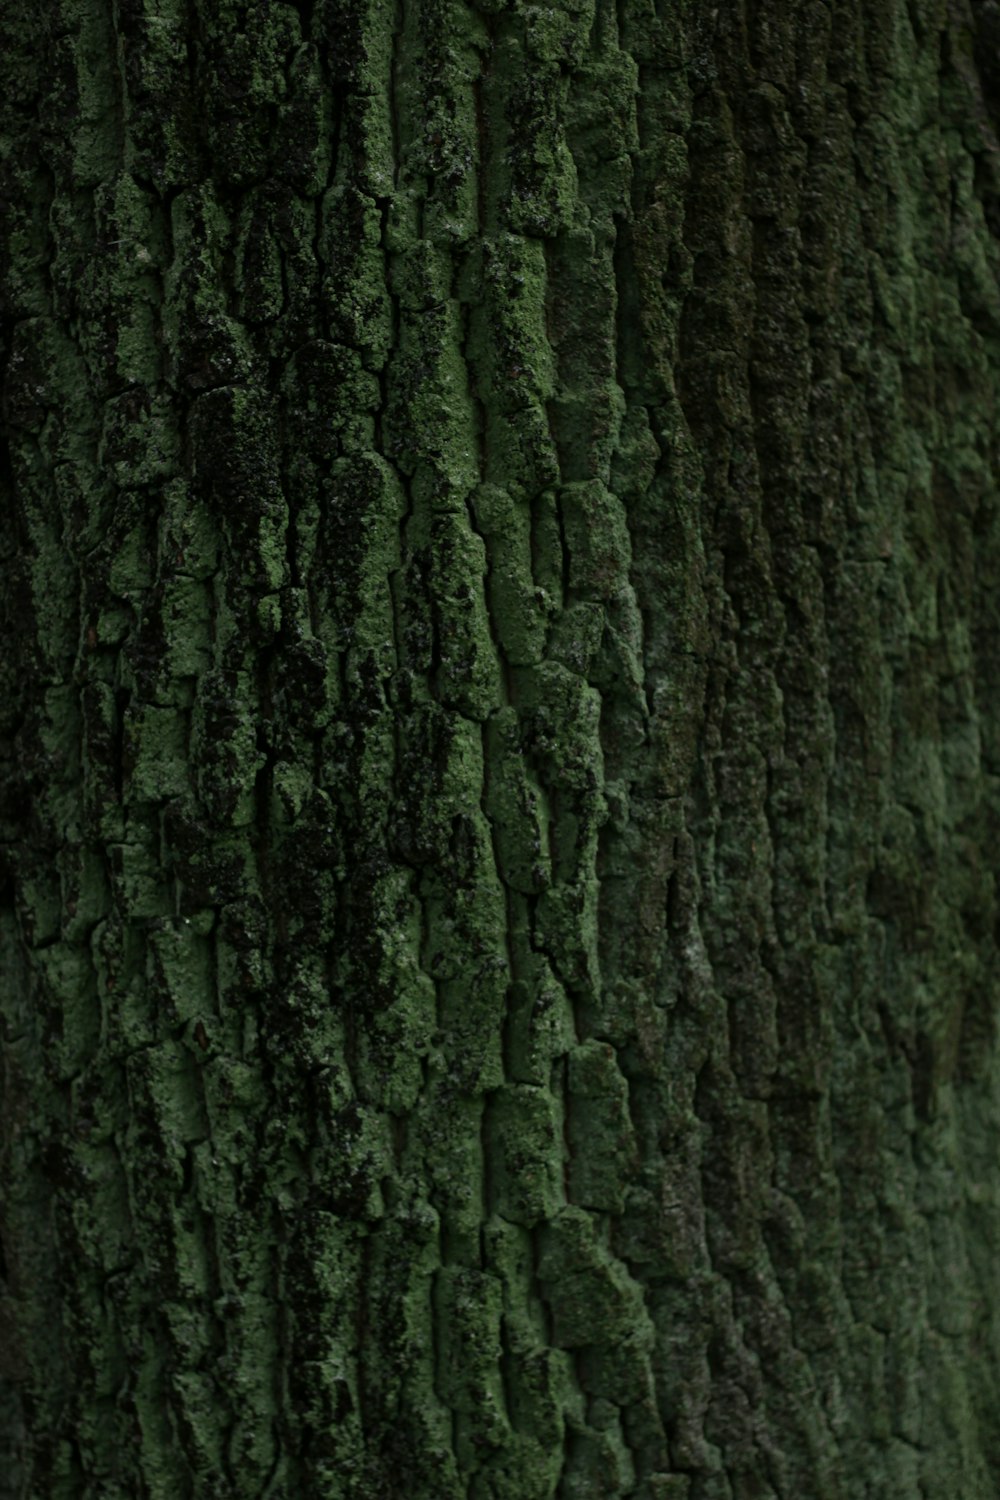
{"type": "Point", "coordinates": [500, 749]}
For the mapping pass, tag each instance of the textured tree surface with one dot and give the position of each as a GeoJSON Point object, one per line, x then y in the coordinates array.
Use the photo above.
{"type": "Point", "coordinates": [501, 735]}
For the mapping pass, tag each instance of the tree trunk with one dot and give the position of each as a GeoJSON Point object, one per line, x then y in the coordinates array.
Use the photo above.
{"type": "Point", "coordinates": [501, 735]}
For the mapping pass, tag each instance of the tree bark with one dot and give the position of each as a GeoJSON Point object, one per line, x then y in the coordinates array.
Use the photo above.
{"type": "Point", "coordinates": [501, 749]}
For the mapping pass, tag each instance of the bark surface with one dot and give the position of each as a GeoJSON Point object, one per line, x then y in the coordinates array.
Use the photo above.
{"type": "Point", "coordinates": [500, 577]}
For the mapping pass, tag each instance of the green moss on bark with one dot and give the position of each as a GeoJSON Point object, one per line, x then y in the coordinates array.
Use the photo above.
{"type": "Point", "coordinates": [498, 750]}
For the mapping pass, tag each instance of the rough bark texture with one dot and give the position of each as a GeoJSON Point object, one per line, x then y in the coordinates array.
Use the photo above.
{"type": "Point", "coordinates": [501, 737]}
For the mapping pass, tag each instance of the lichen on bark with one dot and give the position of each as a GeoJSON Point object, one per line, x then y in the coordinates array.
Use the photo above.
{"type": "Point", "coordinates": [499, 564]}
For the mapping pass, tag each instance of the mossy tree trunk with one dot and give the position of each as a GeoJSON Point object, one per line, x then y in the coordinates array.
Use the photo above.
{"type": "Point", "coordinates": [501, 739]}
